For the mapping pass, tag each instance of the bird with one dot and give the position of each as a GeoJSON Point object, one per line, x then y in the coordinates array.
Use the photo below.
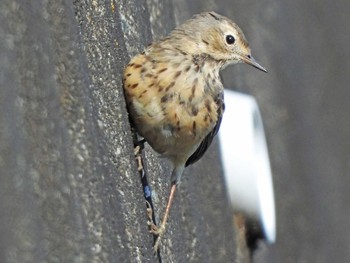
{"type": "Point", "coordinates": [174, 93]}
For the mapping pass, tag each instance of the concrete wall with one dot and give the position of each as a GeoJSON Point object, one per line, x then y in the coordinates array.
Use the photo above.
{"type": "Point", "coordinates": [69, 188]}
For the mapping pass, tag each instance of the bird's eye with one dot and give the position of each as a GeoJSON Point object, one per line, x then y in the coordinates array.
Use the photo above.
{"type": "Point", "coordinates": [230, 39]}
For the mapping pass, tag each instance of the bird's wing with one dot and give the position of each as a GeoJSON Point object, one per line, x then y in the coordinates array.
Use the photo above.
{"type": "Point", "coordinates": [202, 148]}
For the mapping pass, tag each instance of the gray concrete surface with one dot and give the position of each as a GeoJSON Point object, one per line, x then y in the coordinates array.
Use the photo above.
{"type": "Point", "coordinates": [69, 189]}
{"type": "Point", "coordinates": [304, 103]}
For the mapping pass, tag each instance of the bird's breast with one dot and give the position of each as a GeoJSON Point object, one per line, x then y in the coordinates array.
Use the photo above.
{"type": "Point", "coordinates": [169, 101]}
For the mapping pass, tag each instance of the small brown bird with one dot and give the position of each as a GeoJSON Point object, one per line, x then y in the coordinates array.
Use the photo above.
{"type": "Point", "coordinates": [174, 92]}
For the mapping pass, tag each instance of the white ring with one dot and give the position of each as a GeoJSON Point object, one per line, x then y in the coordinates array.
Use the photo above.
{"type": "Point", "coordinates": [246, 162]}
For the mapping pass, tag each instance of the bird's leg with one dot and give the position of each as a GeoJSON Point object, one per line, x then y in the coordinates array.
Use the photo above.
{"type": "Point", "coordinates": [139, 145]}
{"type": "Point", "coordinates": [159, 231]}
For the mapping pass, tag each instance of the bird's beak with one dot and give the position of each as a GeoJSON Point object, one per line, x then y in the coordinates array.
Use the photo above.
{"type": "Point", "coordinates": [251, 61]}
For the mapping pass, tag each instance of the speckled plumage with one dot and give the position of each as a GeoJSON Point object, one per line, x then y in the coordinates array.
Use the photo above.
{"type": "Point", "coordinates": [174, 92]}
{"type": "Point", "coordinates": [170, 101]}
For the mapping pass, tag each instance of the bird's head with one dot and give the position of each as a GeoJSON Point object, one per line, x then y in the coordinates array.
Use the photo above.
{"type": "Point", "coordinates": [218, 37]}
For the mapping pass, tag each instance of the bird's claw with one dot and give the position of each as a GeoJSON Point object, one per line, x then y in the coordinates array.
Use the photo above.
{"type": "Point", "coordinates": [158, 231]}
{"type": "Point", "coordinates": [153, 228]}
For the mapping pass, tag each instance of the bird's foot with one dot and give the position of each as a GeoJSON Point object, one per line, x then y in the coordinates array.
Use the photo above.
{"type": "Point", "coordinates": [150, 222]}
{"type": "Point", "coordinates": [154, 229]}
{"type": "Point", "coordinates": [159, 232]}
{"type": "Point", "coordinates": [137, 153]}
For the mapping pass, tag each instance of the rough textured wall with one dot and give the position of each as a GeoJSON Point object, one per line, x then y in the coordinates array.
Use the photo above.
{"type": "Point", "coordinates": [304, 101]}
{"type": "Point", "coordinates": [69, 188]}
{"type": "Point", "coordinates": [68, 184]}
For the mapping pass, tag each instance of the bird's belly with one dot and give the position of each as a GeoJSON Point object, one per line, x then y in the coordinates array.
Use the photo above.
{"type": "Point", "coordinates": [177, 128]}
{"type": "Point", "coordinates": [169, 104]}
